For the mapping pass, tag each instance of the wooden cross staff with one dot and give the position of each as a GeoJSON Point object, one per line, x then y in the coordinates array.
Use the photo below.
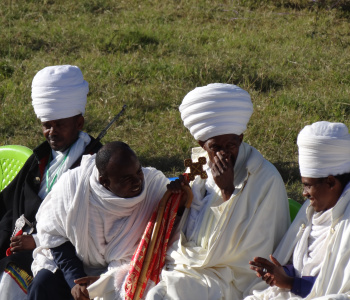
{"type": "Point", "coordinates": [196, 168]}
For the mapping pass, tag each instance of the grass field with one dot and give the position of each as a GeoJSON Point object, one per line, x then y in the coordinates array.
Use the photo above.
{"type": "Point", "coordinates": [292, 57]}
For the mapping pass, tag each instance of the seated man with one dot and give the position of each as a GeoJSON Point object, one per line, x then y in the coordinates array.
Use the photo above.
{"type": "Point", "coordinates": [239, 210]}
{"type": "Point", "coordinates": [101, 208]}
{"type": "Point", "coordinates": [59, 96]}
{"type": "Point", "coordinates": [315, 251]}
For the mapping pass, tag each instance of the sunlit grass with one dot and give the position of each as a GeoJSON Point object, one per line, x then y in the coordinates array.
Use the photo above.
{"type": "Point", "coordinates": [292, 56]}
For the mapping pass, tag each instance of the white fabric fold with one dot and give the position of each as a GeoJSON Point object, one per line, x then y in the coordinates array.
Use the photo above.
{"type": "Point", "coordinates": [103, 228]}
{"type": "Point", "coordinates": [210, 261]}
{"type": "Point", "coordinates": [59, 92]}
{"type": "Point", "coordinates": [333, 280]}
{"type": "Point", "coordinates": [216, 109]}
{"type": "Point", "coordinates": [309, 251]}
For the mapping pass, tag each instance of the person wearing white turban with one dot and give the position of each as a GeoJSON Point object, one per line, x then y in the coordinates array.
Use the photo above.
{"type": "Point", "coordinates": [59, 95]}
{"type": "Point", "coordinates": [240, 210]}
{"type": "Point", "coordinates": [315, 252]}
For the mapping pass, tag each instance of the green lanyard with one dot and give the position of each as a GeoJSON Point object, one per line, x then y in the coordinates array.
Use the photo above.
{"type": "Point", "coordinates": [49, 185]}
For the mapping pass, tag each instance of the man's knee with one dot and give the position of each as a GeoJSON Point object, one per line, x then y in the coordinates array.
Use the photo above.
{"type": "Point", "coordinates": [48, 285]}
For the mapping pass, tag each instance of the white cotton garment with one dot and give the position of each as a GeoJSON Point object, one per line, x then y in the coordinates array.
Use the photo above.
{"type": "Point", "coordinates": [310, 250]}
{"type": "Point", "coordinates": [59, 92]}
{"type": "Point", "coordinates": [216, 109]}
{"type": "Point", "coordinates": [333, 279]}
{"type": "Point", "coordinates": [324, 149]}
{"type": "Point", "coordinates": [104, 229]}
{"type": "Point", "coordinates": [9, 288]}
{"type": "Point", "coordinates": [212, 264]}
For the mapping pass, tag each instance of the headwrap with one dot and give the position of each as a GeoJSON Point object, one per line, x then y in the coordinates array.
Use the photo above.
{"type": "Point", "coordinates": [324, 149]}
{"type": "Point", "coordinates": [216, 109]}
{"type": "Point", "coordinates": [59, 92]}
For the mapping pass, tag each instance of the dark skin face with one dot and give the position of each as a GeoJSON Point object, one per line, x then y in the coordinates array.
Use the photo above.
{"type": "Point", "coordinates": [322, 192]}
{"type": "Point", "coordinates": [223, 151]}
{"type": "Point", "coordinates": [62, 133]}
{"type": "Point", "coordinates": [123, 177]}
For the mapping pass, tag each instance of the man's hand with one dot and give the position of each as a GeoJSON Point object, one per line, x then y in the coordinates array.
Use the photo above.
{"type": "Point", "coordinates": [79, 291]}
{"type": "Point", "coordinates": [271, 272]}
{"type": "Point", "coordinates": [176, 185]}
{"type": "Point", "coordinates": [222, 171]}
{"type": "Point", "coordinates": [21, 243]}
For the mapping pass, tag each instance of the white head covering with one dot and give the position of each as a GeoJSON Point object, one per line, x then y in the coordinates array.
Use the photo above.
{"type": "Point", "coordinates": [59, 92]}
{"type": "Point", "coordinates": [216, 109]}
{"type": "Point", "coordinates": [324, 149]}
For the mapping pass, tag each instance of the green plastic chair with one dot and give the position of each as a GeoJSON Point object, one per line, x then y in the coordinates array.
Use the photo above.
{"type": "Point", "coordinates": [12, 159]}
{"type": "Point", "coordinates": [293, 208]}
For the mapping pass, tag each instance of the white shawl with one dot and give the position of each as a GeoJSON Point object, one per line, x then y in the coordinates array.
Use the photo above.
{"type": "Point", "coordinates": [104, 228]}
{"type": "Point", "coordinates": [252, 221]}
{"type": "Point", "coordinates": [333, 280]}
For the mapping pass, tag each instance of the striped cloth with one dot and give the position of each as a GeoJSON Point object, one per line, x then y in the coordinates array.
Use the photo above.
{"type": "Point", "coordinates": [158, 256]}
{"type": "Point", "coordinates": [20, 276]}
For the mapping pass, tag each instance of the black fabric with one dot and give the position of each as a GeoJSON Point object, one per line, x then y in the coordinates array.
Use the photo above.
{"type": "Point", "coordinates": [49, 286]}
{"type": "Point", "coordinates": [67, 261]}
{"type": "Point", "coordinates": [21, 197]}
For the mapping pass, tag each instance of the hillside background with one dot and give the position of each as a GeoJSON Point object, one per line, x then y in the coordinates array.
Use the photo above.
{"type": "Point", "coordinates": [293, 57]}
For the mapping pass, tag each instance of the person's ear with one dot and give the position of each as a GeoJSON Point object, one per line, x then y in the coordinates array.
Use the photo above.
{"type": "Point", "coordinates": [201, 144]}
{"type": "Point", "coordinates": [331, 181]}
{"type": "Point", "coordinates": [80, 122]}
{"type": "Point", "coordinates": [104, 181]}
{"type": "Point", "coordinates": [241, 138]}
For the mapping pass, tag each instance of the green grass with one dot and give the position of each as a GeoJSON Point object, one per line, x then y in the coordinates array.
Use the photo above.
{"type": "Point", "coordinates": [293, 57]}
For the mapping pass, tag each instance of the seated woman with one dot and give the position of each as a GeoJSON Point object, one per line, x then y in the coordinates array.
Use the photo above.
{"type": "Point", "coordinates": [313, 259]}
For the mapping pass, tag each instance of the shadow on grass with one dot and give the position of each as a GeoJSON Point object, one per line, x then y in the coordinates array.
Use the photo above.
{"type": "Point", "coordinates": [171, 166]}
{"type": "Point", "coordinates": [291, 178]}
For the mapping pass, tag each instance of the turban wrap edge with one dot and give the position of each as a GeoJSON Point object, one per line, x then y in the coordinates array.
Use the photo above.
{"type": "Point", "coordinates": [216, 109]}
{"type": "Point", "coordinates": [59, 92]}
{"type": "Point", "coordinates": [324, 149]}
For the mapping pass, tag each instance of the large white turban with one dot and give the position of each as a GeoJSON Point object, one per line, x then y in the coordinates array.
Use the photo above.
{"type": "Point", "coordinates": [216, 109]}
{"type": "Point", "coordinates": [59, 92]}
{"type": "Point", "coordinates": [324, 149]}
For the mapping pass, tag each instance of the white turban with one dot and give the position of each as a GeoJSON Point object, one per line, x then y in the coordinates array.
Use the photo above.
{"type": "Point", "coordinates": [59, 92]}
{"type": "Point", "coordinates": [216, 109]}
{"type": "Point", "coordinates": [324, 149]}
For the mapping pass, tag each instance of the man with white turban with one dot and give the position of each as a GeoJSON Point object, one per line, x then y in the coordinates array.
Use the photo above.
{"type": "Point", "coordinates": [59, 95]}
{"type": "Point", "coordinates": [315, 251]}
{"type": "Point", "coordinates": [239, 211]}
{"type": "Point", "coordinates": [101, 208]}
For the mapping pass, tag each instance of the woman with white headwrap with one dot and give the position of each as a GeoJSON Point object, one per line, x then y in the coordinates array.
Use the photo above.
{"type": "Point", "coordinates": [240, 210]}
{"type": "Point", "coordinates": [59, 95]}
{"type": "Point", "coordinates": [316, 247]}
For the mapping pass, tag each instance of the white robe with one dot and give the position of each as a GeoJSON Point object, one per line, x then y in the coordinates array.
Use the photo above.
{"type": "Point", "coordinates": [104, 228]}
{"type": "Point", "coordinates": [213, 264]}
{"type": "Point", "coordinates": [333, 280]}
